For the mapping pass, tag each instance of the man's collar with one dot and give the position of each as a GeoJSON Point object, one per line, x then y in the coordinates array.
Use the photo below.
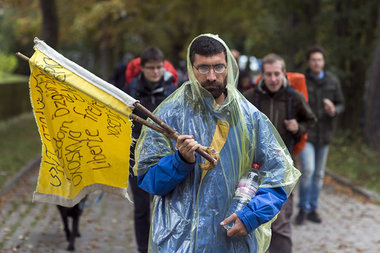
{"type": "Point", "coordinates": [320, 76]}
{"type": "Point", "coordinates": [271, 94]}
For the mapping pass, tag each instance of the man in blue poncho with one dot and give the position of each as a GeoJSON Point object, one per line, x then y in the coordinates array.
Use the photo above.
{"type": "Point", "coordinates": [191, 203]}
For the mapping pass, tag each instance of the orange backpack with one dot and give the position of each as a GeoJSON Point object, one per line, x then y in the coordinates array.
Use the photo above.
{"type": "Point", "coordinates": [298, 82]}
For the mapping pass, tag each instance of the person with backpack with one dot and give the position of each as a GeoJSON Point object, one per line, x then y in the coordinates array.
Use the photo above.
{"type": "Point", "coordinates": [292, 116]}
{"type": "Point", "coordinates": [151, 86]}
{"type": "Point", "coordinates": [327, 102]}
{"type": "Point", "coordinates": [134, 69]}
{"type": "Point", "coordinates": [118, 75]}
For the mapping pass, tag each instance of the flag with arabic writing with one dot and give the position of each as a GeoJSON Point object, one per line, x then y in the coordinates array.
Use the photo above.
{"type": "Point", "coordinates": [84, 126]}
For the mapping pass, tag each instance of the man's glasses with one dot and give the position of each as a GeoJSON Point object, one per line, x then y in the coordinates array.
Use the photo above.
{"type": "Point", "coordinates": [205, 69]}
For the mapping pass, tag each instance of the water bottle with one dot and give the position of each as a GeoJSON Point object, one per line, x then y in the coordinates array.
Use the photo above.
{"type": "Point", "coordinates": [245, 190]}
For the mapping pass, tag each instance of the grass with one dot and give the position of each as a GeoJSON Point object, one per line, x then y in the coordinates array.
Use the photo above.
{"type": "Point", "coordinates": [12, 78]}
{"type": "Point", "coordinates": [20, 142]}
{"type": "Point", "coordinates": [350, 157]}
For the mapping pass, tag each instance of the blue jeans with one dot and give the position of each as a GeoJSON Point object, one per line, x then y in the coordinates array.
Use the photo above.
{"type": "Point", "coordinates": [313, 162]}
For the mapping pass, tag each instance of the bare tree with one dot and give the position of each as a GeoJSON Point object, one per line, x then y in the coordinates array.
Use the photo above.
{"type": "Point", "coordinates": [372, 107]}
{"type": "Point", "coordinates": [49, 22]}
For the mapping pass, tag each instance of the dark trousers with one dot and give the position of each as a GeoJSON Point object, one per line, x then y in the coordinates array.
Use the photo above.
{"type": "Point", "coordinates": [142, 202]}
{"type": "Point", "coordinates": [281, 241]}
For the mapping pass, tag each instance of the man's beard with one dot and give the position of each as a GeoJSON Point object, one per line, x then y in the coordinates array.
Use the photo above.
{"type": "Point", "coordinates": [215, 88]}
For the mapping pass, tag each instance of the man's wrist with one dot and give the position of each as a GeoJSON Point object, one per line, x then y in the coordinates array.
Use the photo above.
{"type": "Point", "coordinates": [182, 158]}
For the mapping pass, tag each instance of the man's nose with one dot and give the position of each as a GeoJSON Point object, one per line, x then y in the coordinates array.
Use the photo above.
{"type": "Point", "coordinates": [211, 76]}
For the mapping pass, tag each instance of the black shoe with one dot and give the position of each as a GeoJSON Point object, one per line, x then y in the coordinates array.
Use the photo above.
{"type": "Point", "coordinates": [301, 217]}
{"type": "Point", "coordinates": [314, 217]}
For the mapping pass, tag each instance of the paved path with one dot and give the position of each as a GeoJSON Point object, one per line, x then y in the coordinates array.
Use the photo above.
{"type": "Point", "coordinates": [349, 225]}
{"type": "Point", "coordinates": [37, 227]}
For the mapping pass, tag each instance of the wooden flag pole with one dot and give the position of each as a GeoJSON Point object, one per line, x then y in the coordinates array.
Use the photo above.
{"type": "Point", "coordinates": [25, 58]}
{"type": "Point", "coordinates": [165, 129]}
{"type": "Point", "coordinates": [150, 125]}
{"type": "Point", "coordinates": [172, 132]}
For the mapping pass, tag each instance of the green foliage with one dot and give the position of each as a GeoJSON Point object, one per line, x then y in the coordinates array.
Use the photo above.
{"type": "Point", "coordinates": [346, 29]}
{"type": "Point", "coordinates": [348, 33]}
{"type": "Point", "coordinates": [349, 156]}
{"type": "Point", "coordinates": [19, 24]}
{"type": "Point", "coordinates": [8, 63]}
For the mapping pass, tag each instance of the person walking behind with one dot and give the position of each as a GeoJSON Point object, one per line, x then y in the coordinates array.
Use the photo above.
{"type": "Point", "coordinates": [150, 87]}
{"type": "Point", "coordinates": [244, 81]}
{"type": "Point", "coordinates": [327, 102]}
{"type": "Point", "coordinates": [118, 75]}
{"type": "Point", "coordinates": [292, 116]}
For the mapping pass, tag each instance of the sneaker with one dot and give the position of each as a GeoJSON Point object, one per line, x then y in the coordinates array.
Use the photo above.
{"type": "Point", "coordinates": [314, 217]}
{"type": "Point", "coordinates": [301, 217]}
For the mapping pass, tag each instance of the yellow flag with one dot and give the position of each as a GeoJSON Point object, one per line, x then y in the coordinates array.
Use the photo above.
{"type": "Point", "coordinates": [84, 127]}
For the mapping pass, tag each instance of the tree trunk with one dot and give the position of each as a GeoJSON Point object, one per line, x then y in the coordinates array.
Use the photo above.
{"type": "Point", "coordinates": [372, 111]}
{"type": "Point", "coordinates": [49, 22]}
{"type": "Point", "coordinates": [105, 52]}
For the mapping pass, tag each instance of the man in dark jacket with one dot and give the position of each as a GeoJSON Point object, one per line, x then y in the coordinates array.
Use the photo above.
{"type": "Point", "coordinates": [326, 101]}
{"type": "Point", "coordinates": [292, 116]}
{"type": "Point", "coordinates": [150, 87]}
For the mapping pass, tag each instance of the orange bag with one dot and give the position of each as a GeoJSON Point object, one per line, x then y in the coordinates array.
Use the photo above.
{"type": "Point", "coordinates": [298, 81]}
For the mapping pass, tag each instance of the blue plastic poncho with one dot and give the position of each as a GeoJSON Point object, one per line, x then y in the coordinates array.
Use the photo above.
{"type": "Point", "coordinates": [190, 203]}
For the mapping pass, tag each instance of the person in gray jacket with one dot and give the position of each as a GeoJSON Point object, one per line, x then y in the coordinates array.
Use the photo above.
{"type": "Point", "coordinates": [327, 102]}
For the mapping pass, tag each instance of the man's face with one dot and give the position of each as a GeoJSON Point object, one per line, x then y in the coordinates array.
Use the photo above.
{"type": "Point", "coordinates": [273, 76]}
{"type": "Point", "coordinates": [214, 82]}
{"type": "Point", "coordinates": [316, 63]}
{"type": "Point", "coordinates": [153, 71]}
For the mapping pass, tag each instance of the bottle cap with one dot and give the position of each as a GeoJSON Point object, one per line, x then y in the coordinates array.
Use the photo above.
{"type": "Point", "coordinates": [255, 166]}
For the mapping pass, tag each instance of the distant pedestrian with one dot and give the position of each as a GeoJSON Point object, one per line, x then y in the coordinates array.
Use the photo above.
{"type": "Point", "coordinates": [244, 81]}
{"type": "Point", "coordinates": [236, 55]}
{"type": "Point", "coordinates": [181, 70]}
{"type": "Point", "coordinates": [327, 102]}
{"type": "Point", "coordinates": [292, 116]}
{"type": "Point", "coordinates": [151, 86]}
{"type": "Point", "coordinates": [118, 76]}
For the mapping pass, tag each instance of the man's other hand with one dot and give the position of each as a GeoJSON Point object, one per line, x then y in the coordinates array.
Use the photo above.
{"type": "Point", "coordinates": [291, 125]}
{"type": "Point", "coordinates": [238, 229]}
{"type": "Point", "coordinates": [329, 107]}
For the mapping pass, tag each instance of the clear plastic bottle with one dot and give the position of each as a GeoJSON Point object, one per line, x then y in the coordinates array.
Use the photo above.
{"type": "Point", "coordinates": [245, 190]}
